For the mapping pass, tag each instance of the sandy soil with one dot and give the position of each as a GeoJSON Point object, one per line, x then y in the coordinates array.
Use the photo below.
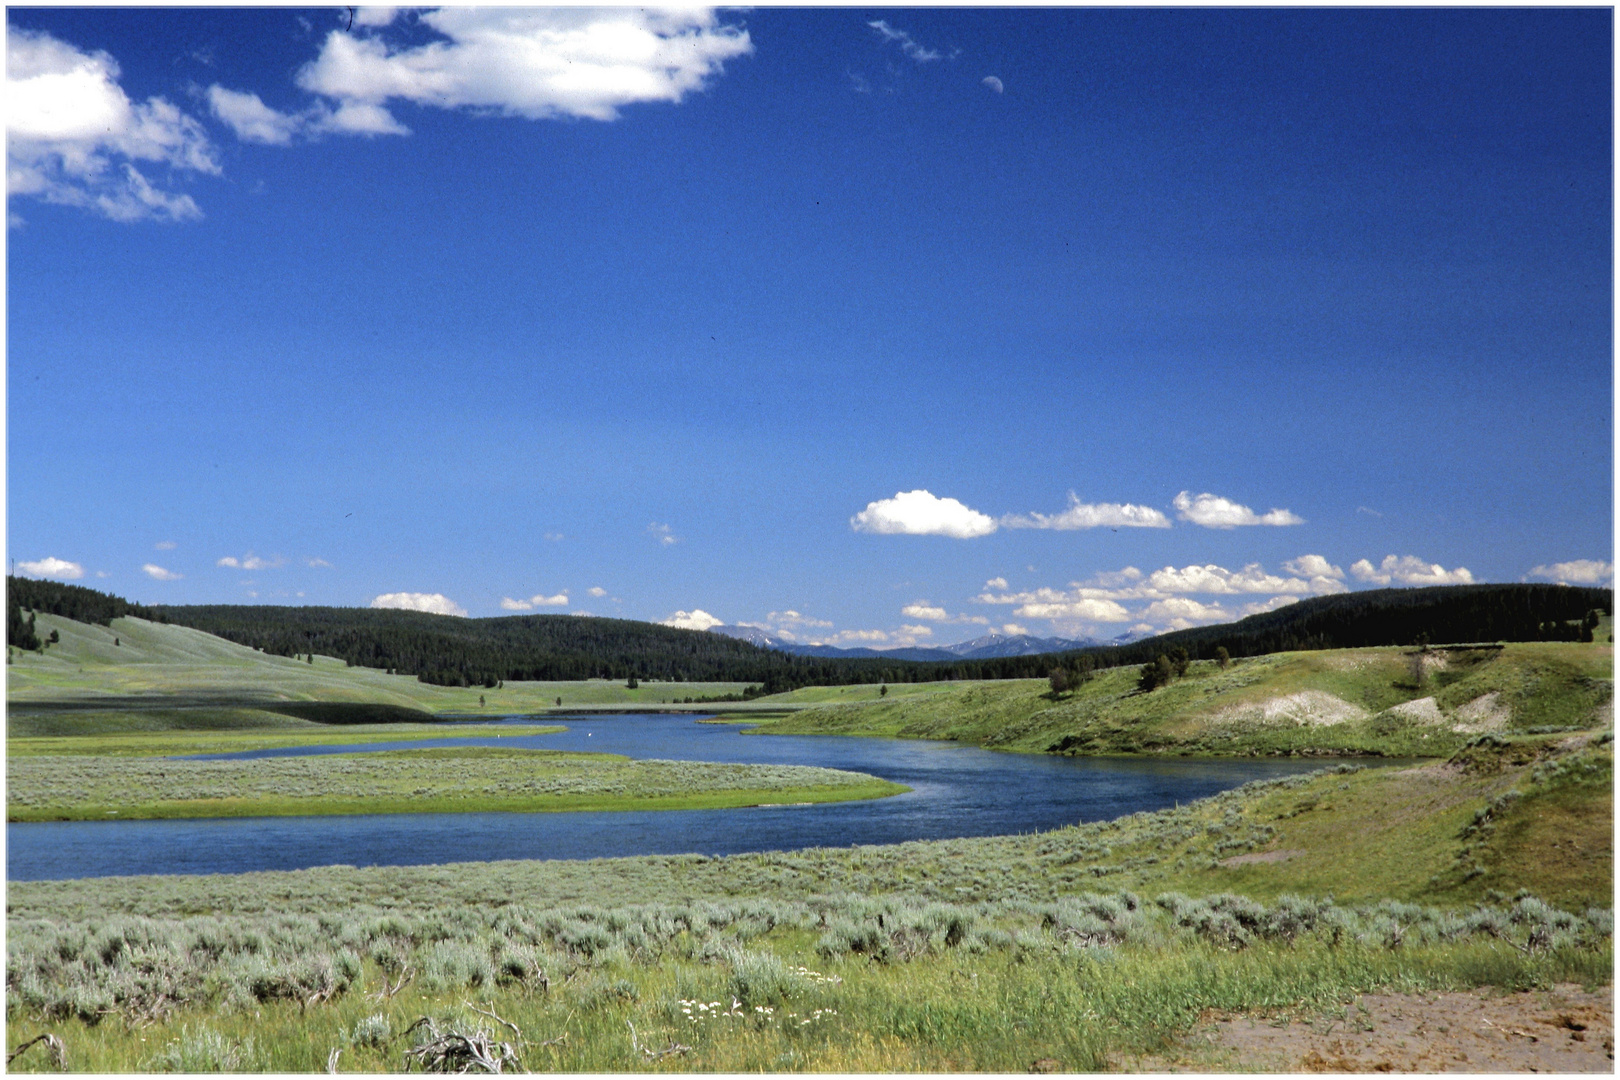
{"type": "Point", "coordinates": [1566, 1029]}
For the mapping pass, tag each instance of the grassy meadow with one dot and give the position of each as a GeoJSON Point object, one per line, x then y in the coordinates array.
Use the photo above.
{"type": "Point", "coordinates": [1386, 701]}
{"type": "Point", "coordinates": [86, 787]}
{"type": "Point", "coordinates": [1083, 948]}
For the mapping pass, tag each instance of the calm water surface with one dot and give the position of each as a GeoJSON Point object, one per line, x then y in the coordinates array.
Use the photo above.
{"type": "Point", "coordinates": [957, 791]}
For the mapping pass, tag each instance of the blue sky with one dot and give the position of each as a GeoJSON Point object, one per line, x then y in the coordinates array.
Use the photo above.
{"type": "Point", "coordinates": [876, 327]}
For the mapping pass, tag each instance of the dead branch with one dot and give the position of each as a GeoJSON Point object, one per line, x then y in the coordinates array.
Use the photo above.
{"type": "Point", "coordinates": [55, 1045]}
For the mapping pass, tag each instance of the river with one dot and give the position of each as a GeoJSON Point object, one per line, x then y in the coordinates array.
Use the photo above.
{"type": "Point", "coordinates": [956, 791]}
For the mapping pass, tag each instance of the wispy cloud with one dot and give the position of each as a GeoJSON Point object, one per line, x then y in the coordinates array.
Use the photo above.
{"type": "Point", "coordinates": [52, 567]}
{"type": "Point", "coordinates": [1577, 572]}
{"type": "Point", "coordinates": [597, 590]}
{"type": "Point", "coordinates": [157, 573]}
{"type": "Point", "coordinates": [320, 563]}
{"type": "Point", "coordinates": [921, 513]}
{"type": "Point", "coordinates": [1081, 515]}
{"type": "Point", "coordinates": [164, 545]}
{"type": "Point", "coordinates": [73, 137]}
{"type": "Point", "coordinates": [433, 603]}
{"type": "Point", "coordinates": [251, 561]}
{"type": "Point", "coordinates": [663, 533]}
{"type": "Point", "coordinates": [908, 45]}
{"type": "Point", "coordinates": [1214, 512]}
{"type": "Point", "coordinates": [1409, 570]}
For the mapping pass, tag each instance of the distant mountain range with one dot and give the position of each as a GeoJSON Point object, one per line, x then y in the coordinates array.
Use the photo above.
{"type": "Point", "coordinates": [988, 647]}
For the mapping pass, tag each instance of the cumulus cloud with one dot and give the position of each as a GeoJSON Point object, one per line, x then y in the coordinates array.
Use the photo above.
{"type": "Point", "coordinates": [1014, 630]}
{"type": "Point", "coordinates": [1409, 570]}
{"type": "Point", "coordinates": [1081, 515]}
{"type": "Point", "coordinates": [73, 137]}
{"type": "Point", "coordinates": [1088, 610]}
{"type": "Point", "coordinates": [157, 573]}
{"type": "Point", "coordinates": [1251, 579]}
{"type": "Point", "coordinates": [1578, 572]}
{"type": "Point", "coordinates": [907, 45]}
{"type": "Point", "coordinates": [52, 567]}
{"type": "Point", "coordinates": [375, 16]}
{"type": "Point", "coordinates": [1214, 512]}
{"type": "Point", "coordinates": [996, 583]}
{"type": "Point", "coordinates": [916, 631]}
{"type": "Point", "coordinates": [865, 637]}
{"type": "Point", "coordinates": [251, 119]}
{"type": "Point", "coordinates": [696, 619]}
{"type": "Point", "coordinates": [597, 590]}
{"type": "Point", "coordinates": [1309, 566]}
{"type": "Point", "coordinates": [921, 513]}
{"type": "Point", "coordinates": [433, 603]}
{"type": "Point", "coordinates": [663, 533]}
{"type": "Point", "coordinates": [922, 609]}
{"type": "Point", "coordinates": [534, 63]}
{"type": "Point", "coordinates": [538, 600]}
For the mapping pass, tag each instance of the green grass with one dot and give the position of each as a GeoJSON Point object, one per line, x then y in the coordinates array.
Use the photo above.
{"type": "Point", "coordinates": [174, 743]}
{"type": "Point", "coordinates": [1343, 702]}
{"type": "Point", "coordinates": [159, 661]}
{"type": "Point", "coordinates": [438, 780]}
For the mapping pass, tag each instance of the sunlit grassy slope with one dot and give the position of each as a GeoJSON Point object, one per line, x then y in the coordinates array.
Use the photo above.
{"type": "Point", "coordinates": [134, 657]}
{"type": "Point", "coordinates": [1387, 700]}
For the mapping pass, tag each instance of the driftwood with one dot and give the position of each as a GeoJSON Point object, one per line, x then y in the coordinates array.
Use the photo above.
{"type": "Point", "coordinates": [52, 1043]}
{"type": "Point", "coordinates": [387, 992]}
{"type": "Point", "coordinates": [460, 1052]}
{"type": "Point", "coordinates": [655, 1055]}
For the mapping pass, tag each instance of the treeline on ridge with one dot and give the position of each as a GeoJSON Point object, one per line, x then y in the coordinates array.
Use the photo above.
{"type": "Point", "coordinates": [453, 651]}
{"type": "Point", "coordinates": [69, 601]}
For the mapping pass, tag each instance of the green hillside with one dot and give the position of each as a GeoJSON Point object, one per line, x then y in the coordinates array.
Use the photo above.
{"type": "Point", "coordinates": [1360, 701]}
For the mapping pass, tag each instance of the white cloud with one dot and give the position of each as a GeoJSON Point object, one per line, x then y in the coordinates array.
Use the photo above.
{"type": "Point", "coordinates": [1409, 570]}
{"type": "Point", "coordinates": [1081, 515]}
{"type": "Point", "coordinates": [922, 609]}
{"type": "Point", "coordinates": [1578, 572]}
{"type": "Point", "coordinates": [164, 545]}
{"type": "Point", "coordinates": [1251, 579]}
{"type": "Point", "coordinates": [920, 513]}
{"type": "Point", "coordinates": [1214, 512]}
{"type": "Point", "coordinates": [102, 573]}
{"type": "Point", "coordinates": [1089, 610]}
{"type": "Point", "coordinates": [870, 637]}
{"type": "Point", "coordinates": [152, 570]}
{"type": "Point", "coordinates": [52, 567]}
{"type": "Point", "coordinates": [1309, 566]}
{"type": "Point", "coordinates": [994, 83]}
{"type": "Point", "coordinates": [696, 619]}
{"type": "Point", "coordinates": [251, 119]}
{"type": "Point", "coordinates": [663, 533]}
{"type": "Point", "coordinates": [1014, 630]}
{"type": "Point", "coordinates": [375, 16]}
{"type": "Point", "coordinates": [907, 44]}
{"type": "Point", "coordinates": [538, 600]}
{"type": "Point", "coordinates": [320, 563]}
{"type": "Point", "coordinates": [597, 590]}
{"type": "Point", "coordinates": [1273, 604]}
{"type": "Point", "coordinates": [996, 583]}
{"type": "Point", "coordinates": [433, 603]}
{"type": "Point", "coordinates": [554, 537]}
{"type": "Point", "coordinates": [73, 136]}
{"type": "Point", "coordinates": [251, 561]}
{"type": "Point", "coordinates": [916, 631]}
{"type": "Point", "coordinates": [1180, 612]}
{"type": "Point", "coordinates": [534, 63]}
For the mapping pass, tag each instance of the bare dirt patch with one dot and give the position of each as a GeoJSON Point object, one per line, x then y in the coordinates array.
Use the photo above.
{"type": "Point", "coordinates": [1424, 709]}
{"type": "Point", "coordinates": [1308, 708]}
{"type": "Point", "coordinates": [1565, 1029]}
{"type": "Point", "coordinates": [1485, 713]}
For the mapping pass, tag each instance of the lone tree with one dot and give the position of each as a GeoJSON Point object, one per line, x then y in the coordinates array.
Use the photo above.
{"type": "Point", "coordinates": [1223, 658]}
{"type": "Point", "coordinates": [630, 683]}
{"type": "Point", "coordinates": [1058, 679]}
